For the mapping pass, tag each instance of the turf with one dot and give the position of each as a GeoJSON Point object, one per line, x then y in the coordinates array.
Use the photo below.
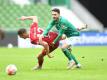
{"type": "Point", "coordinates": [93, 60]}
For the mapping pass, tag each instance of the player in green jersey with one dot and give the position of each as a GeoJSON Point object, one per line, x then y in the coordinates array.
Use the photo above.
{"type": "Point", "coordinates": [64, 27]}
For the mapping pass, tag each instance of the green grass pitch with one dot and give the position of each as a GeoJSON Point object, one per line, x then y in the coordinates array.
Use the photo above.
{"type": "Point", "coordinates": [93, 60]}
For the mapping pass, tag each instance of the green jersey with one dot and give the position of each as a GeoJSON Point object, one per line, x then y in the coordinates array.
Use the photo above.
{"type": "Point", "coordinates": [64, 27]}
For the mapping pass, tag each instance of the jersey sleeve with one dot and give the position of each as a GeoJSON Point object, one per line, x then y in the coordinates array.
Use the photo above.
{"type": "Point", "coordinates": [49, 27]}
{"type": "Point", "coordinates": [61, 31]}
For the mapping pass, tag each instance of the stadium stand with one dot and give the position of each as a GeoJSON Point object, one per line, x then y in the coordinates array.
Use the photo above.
{"type": "Point", "coordinates": [9, 13]}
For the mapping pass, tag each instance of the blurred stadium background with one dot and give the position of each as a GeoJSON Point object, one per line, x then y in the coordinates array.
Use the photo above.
{"type": "Point", "coordinates": [90, 12]}
{"type": "Point", "coordinates": [79, 12]}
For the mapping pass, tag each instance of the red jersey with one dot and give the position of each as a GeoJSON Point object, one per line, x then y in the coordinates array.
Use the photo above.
{"type": "Point", "coordinates": [35, 32]}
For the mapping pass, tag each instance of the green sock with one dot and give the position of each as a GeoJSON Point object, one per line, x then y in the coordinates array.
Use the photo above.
{"type": "Point", "coordinates": [69, 55]}
{"type": "Point", "coordinates": [74, 58]}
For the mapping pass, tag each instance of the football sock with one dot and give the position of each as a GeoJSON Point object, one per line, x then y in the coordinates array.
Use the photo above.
{"type": "Point", "coordinates": [74, 58]}
{"type": "Point", "coordinates": [69, 55]}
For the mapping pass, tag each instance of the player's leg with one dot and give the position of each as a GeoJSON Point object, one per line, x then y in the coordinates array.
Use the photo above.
{"type": "Point", "coordinates": [69, 55]}
{"type": "Point", "coordinates": [72, 60]}
{"type": "Point", "coordinates": [72, 41]}
{"type": "Point", "coordinates": [78, 65]}
{"type": "Point", "coordinates": [40, 60]}
{"type": "Point", "coordinates": [41, 56]}
{"type": "Point", "coordinates": [65, 48]}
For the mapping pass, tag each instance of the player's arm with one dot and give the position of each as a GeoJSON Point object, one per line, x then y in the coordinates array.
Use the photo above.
{"type": "Point", "coordinates": [83, 27]}
{"type": "Point", "coordinates": [51, 24]}
{"type": "Point", "coordinates": [49, 27]}
{"type": "Point", "coordinates": [33, 18]}
{"type": "Point", "coordinates": [61, 31]}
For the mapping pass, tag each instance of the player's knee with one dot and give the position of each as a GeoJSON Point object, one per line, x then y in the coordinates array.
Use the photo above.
{"type": "Point", "coordinates": [63, 49]}
{"type": "Point", "coordinates": [65, 46]}
{"type": "Point", "coordinates": [64, 37]}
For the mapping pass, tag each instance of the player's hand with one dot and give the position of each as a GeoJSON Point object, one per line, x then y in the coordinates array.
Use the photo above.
{"type": "Point", "coordinates": [21, 18]}
{"type": "Point", "coordinates": [84, 26]}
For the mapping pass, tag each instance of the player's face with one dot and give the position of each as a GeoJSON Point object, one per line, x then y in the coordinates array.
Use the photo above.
{"type": "Point", "coordinates": [24, 35]}
{"type": "Point", "coordinates": [55, 15]}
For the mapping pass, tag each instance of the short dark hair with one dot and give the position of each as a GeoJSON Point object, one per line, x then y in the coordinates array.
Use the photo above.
{"type": "Point", "coordinates": [56, 10]}
{"type": "Point", "coordinates": [21, 31]}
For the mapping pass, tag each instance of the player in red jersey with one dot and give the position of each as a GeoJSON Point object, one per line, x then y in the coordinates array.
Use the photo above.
{"type": "Point", "coordinates": [34, 35]}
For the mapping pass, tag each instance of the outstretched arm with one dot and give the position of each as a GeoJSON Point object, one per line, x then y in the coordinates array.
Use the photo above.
{"type": "Point", "coordinates": [59, 35]}
{"type": "Point", "coordinates": [49, 27]}
{"type": "Point", "coordinates": [51, 24]}
{"type": "Point", "coordinates": [34, 18]}
{"type": "Point", "coordinates": [85, 26]}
